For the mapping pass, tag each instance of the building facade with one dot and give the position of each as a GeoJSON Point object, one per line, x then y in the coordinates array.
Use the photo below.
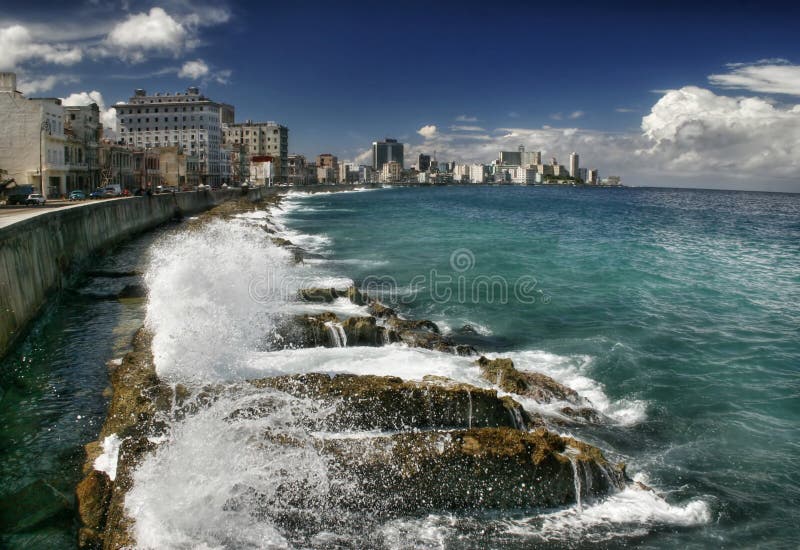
{"type": "Point", "coordinates": [32, 139]}
{"type": "Point", "coordinates": [116, 166]}
{"type": "Point", "coordinates": [83, 132]}
{"type": "Point", "coordinates": [257, 139]}
{"type": "Point", "coordinates": [389, 150]}
{"type": "Point", "coordinates": [298, 172]}
{"type": "Point", "coordinates": [188, 120]}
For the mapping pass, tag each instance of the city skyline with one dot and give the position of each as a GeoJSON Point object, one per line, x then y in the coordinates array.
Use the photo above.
{"type": "Point", "coordinates": [661, 96]}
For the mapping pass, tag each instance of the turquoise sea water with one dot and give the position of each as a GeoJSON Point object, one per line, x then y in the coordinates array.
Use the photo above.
{"type": "Point", "coordinates": [684, 304]}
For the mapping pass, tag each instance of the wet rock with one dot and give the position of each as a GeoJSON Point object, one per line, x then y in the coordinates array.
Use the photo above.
{"type": "Point", "coordinates": [30, 506]}
{"type": "Point", "coordinates": [305, 331]}
{"type": "Point", "coordinates": [93, 494]}
{"type": "Point", "coordinates": [543, 389]}
{"type": "Point", "coordinates": [328, 295]}
{"type": "Point", "coordinates": [407, 325]}
{"type": "Point", "coordinates": [585, 414]}
{"type": "Point", "coordinates": [467, 329]}
{"type": "Point", "coordinates": [364, 331]}
{"type": "Point", "coordinates": [463, 470]}
{"type": "Point", "coordinates": [137, 397]}
{"type": "Point", "coordinates": [355, 296]}
{"type": "Point", "coordinates": [389, 403]}
{"type": "Point", "coordinates": [280, 241]}
{"type": "Point", "coordinates": [380, 311]}
{"type": "Point", "coordinates": [319, 295]}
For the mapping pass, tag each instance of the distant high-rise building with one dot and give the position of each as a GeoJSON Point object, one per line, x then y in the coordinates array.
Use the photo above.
{"type": "Point", "coordinates": [531, 158]}
{"type": "Point", "coordinates": [423, 163]}
{"type": "Point", "coordinates": [511, 158]}
{"type": "Point", "coordinates": [593, 176]}
{"type": "Point", "coordinates": [574, 165]}
{"type": "Point", "coordinates": [385, 151]}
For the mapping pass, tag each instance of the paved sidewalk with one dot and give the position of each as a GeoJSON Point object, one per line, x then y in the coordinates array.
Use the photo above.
{"type": "Point", "coordinates": [12, 214]}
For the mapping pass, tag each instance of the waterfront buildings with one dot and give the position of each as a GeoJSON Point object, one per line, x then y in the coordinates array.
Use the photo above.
{"type": "Point", "coordinates": [386, 151]}
{"type": "Point", "coordinates": [46, 145]}
{"type": "Point", "coordinates": [258, 139]}
{"type": "Point", "coordinates": [188, 120]}
{"type": "Point", "coordinates": [298, 171]}
{"type": "Point", "coordinates": [391, 172]}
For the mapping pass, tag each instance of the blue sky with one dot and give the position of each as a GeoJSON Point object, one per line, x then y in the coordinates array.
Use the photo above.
{"type": "Point", "coordinates": [698, 94]}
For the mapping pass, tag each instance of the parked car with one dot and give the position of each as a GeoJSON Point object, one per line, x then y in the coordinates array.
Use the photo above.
{"type": "Point", "coordinates": [98, 193]}
{"type": "Point", "coordinates": [35, 199]}
{"type": "Point", "coordinates": [77, 195]}
{"type": "Point", "coordinates": [113, 191]}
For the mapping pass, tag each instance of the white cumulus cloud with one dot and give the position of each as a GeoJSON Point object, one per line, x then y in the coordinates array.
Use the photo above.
{"type": "Point", "coordinates": [141, 33]}
{"type": "Point", "coordinates": [770, 76]}
{"type": "Point", "coordinates": [576, 114]}
{"type": "Point", "coordinates": [466, 118]}
{"type": "Point", "coordinates": [194, 69]}
{"type": "Point", "coordinates": [428, 131]}
{"type": "Point", "coordinates": [695, 130]}
{"type": "Point", "coordinates": [17, 46]}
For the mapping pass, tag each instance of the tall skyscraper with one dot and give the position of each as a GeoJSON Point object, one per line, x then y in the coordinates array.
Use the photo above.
{"type": "Point", "coordinates": [386, 151]}
{"type": "Point", "coordinates": [574, 165]}
{"type": "Point", "coordinates": [423, 163]}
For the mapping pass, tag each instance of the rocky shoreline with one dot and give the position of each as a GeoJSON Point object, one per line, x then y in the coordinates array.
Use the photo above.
{"type": "Point", "coordinates": [428, 445]}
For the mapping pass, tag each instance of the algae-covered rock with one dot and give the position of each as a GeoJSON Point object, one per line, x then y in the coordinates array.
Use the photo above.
{"type": "Point", "coordinates": [306, 331]}
{"type": "Point", "coordinates": [543, 389]}
{"type": "Point", "coordinates": [319, 295]}
{"type": "Point", "coordinates": [94, 494]}
{"type": "Point", "coordinates": [389, 403]}
{"type": "Point", "coordinates": [138, 395]}
{"type": "Point", "coordinates": [364, 331]}
{"type": "Point", "coordinates": [381, 311]}
{"type": "Point", "coordinates": [328, 295]}
{"type": "Point", "coordinates": [462, 470]}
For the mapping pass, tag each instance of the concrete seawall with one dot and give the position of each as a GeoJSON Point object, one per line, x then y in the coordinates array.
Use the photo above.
{"type": "Point", "coordinates": [38, 254]}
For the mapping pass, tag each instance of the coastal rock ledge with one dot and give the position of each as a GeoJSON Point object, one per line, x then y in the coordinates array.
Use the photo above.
{"type": "Point", "coordinates": [430, 445]}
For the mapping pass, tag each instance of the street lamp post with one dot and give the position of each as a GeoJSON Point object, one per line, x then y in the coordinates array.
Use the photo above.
{"type": "Point", "coordinates": [44, 126]}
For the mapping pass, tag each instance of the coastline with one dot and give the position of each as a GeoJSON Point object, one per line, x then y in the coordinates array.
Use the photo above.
{"type": "Point", "coordinates": [139, 393]}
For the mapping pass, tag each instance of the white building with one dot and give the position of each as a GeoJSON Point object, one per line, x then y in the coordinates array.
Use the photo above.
{"type": "Point", "coordinates": [477, 173]}
{"type": "Point", "coordinates": [188, 120]}
{"type": "Point", "coordinates": [461, 173]}
{"type": "Point", "coordinates": [522, 175]}
{"type": "Point", "coordinates": [32, 135]}
{"type": "Point", "coordinates": [574, 165]}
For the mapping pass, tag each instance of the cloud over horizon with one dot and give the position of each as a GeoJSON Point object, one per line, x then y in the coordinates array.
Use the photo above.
{"type": "Point", "coordinates": [688, 132]}
{"type": "Point", "coordinates": [769, 76]}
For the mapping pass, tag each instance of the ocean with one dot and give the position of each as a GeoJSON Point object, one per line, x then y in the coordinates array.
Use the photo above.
{"type": "Point", "coordinates": [675, 312]}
